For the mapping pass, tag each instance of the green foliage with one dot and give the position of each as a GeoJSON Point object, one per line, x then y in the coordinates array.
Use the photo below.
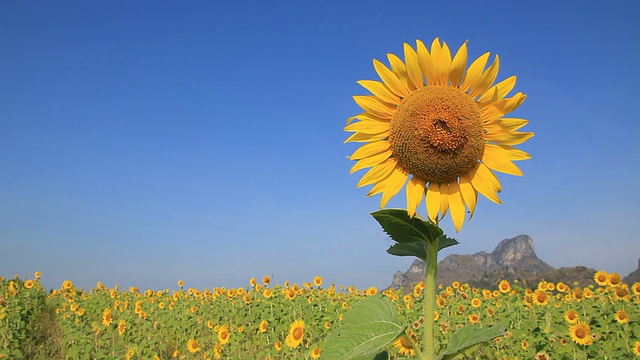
{"type": "Point", "coordinates": [367, 328]}
{"type": "Point", "coordinates": [468, 336]}
{"type": "Point", "coordinates": [412, 234]}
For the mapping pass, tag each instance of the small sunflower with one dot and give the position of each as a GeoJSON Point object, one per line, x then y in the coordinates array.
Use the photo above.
{"type": "Point", "coordinates": [404, 346]}
{"type": "Point", "coordinates": [296, 333]}
{"type": "Point", "coordinates": [504, 286]}
{"type": "Point", "coordinates": [622, 317]}
{"type": "Point", "coordinates": [122, 326]}
{"type": "Point", "coordinates": [580, 333]}
{"type": "Point", "coordinates": [448, 133]}
{"type": "Point", "coordinates": [636, 348]}
{"type": "Point", "coordinates": [614, 279]}
{"type": "Point", "coordinates": [474, 318]}
{"type": "Point", "coordinates": [475, 302]}
{"type": "Point", "coordinates": [223, 334]}
{"type": "Point", "coordinates": [193, 346]}
{"type": "Point", "coordinates": [540, 298]}
{"type": "Point", "coordinates": [107, 317]}
{"type": "Point", "coordinates": [264, 325]}
{"type": "Point", "coordinates": [217, 351]}
{"type": "Point", "coordinates": [317, 281]}
{"type": "Point", "coordinates": [315, 353]}
{"type": "Point", "coordinates": [601, 278]}
{"type": "Point", "coordinates": [571, 316]}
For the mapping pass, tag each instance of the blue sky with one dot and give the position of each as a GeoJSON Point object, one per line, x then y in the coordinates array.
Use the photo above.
{"type": "Point", "coordinates": [146, 142]}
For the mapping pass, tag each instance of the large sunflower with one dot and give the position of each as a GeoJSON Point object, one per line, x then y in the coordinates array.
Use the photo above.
{"type": "Point", "coordinates": [446, 135]}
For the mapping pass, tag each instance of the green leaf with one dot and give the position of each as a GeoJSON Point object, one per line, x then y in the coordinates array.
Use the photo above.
{"type": "Point", "coordinates": [468, 336]}
{"type": "Point", "coordinates": [367, 328]}
{"type": "Point", "coordinates": [417, 249]}
{"type": "Point", "coordinates": [404, 229]}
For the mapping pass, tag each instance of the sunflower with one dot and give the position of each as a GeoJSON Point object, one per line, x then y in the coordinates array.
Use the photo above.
{"type": "Point", "coordinates": [636, 348]}
{"type": "Point", "coordinates": [266, 279]}
{"type": "Point", "coordinates": [223, 334]}
{"type": "Point", "coordinates": [277, 345]}
{"type": "Point", "coordinates": [267, 293]}
{"type": "Point", "coordinates": [474, 318]}
{"type": "Point", "coordinates": [296, 333]}
{"type": "Point", "coordinates": [122, 326]}
{"type": "Point", "coordinates": [404, 346]}
{"type": "Point", "coordinates": [540, 298]}
{"type": "Point", "coordinates": [504, 286]}
{"type": "Point", "coordinates": [217, 351]}
{"type": "Point", "coordinates": [601, 278]}
{"type": "Point", "coordinates": [571, 316]}
{"type": "Point", "coordinates": [475, 302]}
{"type": "Point", "coordinates": [193, 346]}
{"type": "Point", "coordinates": [449, 133]}
{"type": "Point", "coordinates": [37, 274]}
{"type": "Point", "coordinates": [614, 279]}
{"type": "Point", "coordinates": [580, 333]}
{"type": "Point", "coordinates": [130, 353]}
{"type": "Point", "coordinates": [622, 317]}
{"type": "Point", "coordinates": [264, 325]}
{"type": "Point", "coordinates": [317, 281]}
{"type": "Point", "coordinates": [315, 353]}
{"type": "Point", "coordinates": [107, 317]}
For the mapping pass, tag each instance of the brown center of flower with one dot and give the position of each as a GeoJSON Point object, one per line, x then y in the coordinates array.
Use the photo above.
{"type": "Point", "coordinates": [437, 133]}
{"type": "Point", "coordinates": [297, 333]}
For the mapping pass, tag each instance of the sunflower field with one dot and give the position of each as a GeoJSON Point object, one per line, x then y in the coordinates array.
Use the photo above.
{"type": "Point", "coordinates": [291, 321]}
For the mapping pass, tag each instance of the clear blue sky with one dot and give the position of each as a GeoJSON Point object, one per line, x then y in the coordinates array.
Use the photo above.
{"type": "Point", "coordinates": [146, 142]}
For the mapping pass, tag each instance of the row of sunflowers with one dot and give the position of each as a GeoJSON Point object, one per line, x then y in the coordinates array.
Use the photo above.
{"type": "Point", "coordinates": [291, 321]}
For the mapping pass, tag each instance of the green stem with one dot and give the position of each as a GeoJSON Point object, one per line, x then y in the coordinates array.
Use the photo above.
{"type": "Point", "coordinates": [430, 300]}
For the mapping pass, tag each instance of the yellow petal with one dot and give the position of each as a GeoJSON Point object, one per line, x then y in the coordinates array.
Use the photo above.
{"type": "Point", "coordinates": [444, 200]}
{"type": "Point", "coordinates": [380, 90]}
{"type": "Point", "coordinates": [394, 184]}
{"type": "Point", "coordinates": [367, 127]}
{"type": "Point", "coordinates": [374, 106]}
{"type": "Point", "coordinates": [370, 149]}
{"type": "Point", "coordinates": [441, 57]}
{"type": "Point", "coordinates": [469, 193]}
{"type": "Point", "coordinates": [456, 204]}
{"type": "Point", "coordinates": [485, 182]}
{"type": "Point", "coordinates": [378, 173]}
{"type": "Point", "coordinates": [496, 158]}
{"type": "Point", "coordinates": [415, 194]}
{"type": "Point", "coordinates": [433, 201]}
{"type": "Point", "coordinates": [502, 88]}
{"type": "Point", "coordinates": [426, 63]}
{"type": "Point", "coordinates": [362, 137]}
{"type": "Point", "coordinates": [509, 104]}
{"type": "Point", "coordinates": [413, 68]}
{"type": "Point", "coordinates": [369, 117]}
{"type": "Point", "coordinates": [486, 79]}
{"type": "Point", "coordinates": [398, 68]}
{"type": "Point", "coordinates": [490, 113]}
{"type": "Point", "coordinates": [503, 137]}
{"type": "Point", "coordinates": [474, 72]}
{"type": "Point", "coordinates": [458, 65]}
{"type": "Point", "coordinates": [513, 123]}
{"type": "Point", "coordinates": [390, 79]}
{"type": "Point", "coordinates": [370, 161]}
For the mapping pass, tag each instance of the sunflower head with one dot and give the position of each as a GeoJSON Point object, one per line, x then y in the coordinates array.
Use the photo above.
{"type": "Point", "coordinates": [438, 127]}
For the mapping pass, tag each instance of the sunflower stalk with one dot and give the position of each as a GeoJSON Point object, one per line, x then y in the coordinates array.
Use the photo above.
{"type": "Point", "coordinates": [430, 300]}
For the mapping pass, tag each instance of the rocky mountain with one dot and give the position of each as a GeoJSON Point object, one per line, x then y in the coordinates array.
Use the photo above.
{"type": "Point", "coordinates": [634, 276]}
{"type": "Point", "coordinates": [513, 259]}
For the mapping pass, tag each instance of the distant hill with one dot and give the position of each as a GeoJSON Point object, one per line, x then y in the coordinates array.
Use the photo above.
{"type": "Point", "coordinates": [513, 259]}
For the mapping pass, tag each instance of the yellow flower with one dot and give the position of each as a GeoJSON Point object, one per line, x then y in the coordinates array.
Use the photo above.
{"type": "Point", "coordinates": [315, 353]}
{"type": "Point", "coordinates": [580, 333]}
{"type": "Point", "coordinates": [217, 351]}
{"type": "Point", "coordinates": [223, 334]}
{"type": "Point", "coordinates": [404, 346]}
{"type": "Point", "coordinates": [622, 317]}
{"type": "Point", "coordinates": [107, 317]}
{"type": "Point", "coordinates": [614, 279]}
{"type": "Point", "coordinates": [474, 318]}
{"type": "Point", "coordinates": [317, 281]}
{"type": "Point", "coordinates": [296, 333]}
{"type": "Point", "coordinates": [67, 284]}
{"type": "Point", "coordinates": [277, 345]}
{"type": "Point", "coordinates": [571, 316]}
{"type": "Point", "coordinates": [540, 298]}
{"type": "Point", "coordinates": [122, 326]}
{"type": "Point", "coordinates": [28, 284]}
{"type": "Point", "coordinates": [193, 346]}
{"type": "Point", "coordinates": [601, 278]}
{"type": "Point", "coordinates": [636, 348]}
{"type": "Point", "coordinates": [264, 325]}
{"type": "Point", "coordinates": [266, 280]}
{"type": "Point", "coordinates": [130, 353]}
{"type": "Point", "coordinates": [37, 275]}
{"type": "Point", "coordinates": [252, 282]}
{"type": "Point", "coordinates": [180, 283]}
{"type": "Point", "coordinates": [267, 293]}
{"type": "Point", "coordinates": [475, 302]}
{"type": "Point", "coordinates": [449, 133]}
